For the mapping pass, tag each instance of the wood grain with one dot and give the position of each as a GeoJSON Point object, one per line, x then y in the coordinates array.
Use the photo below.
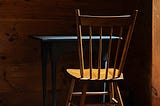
{"type": "Point", "coordinates": [156, 54]}
{"type": "Point", "coordinates": [20, 63]}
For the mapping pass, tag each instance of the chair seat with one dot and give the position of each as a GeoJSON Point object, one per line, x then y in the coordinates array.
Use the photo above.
{"type": "Point", "coordinates": [76, 73]}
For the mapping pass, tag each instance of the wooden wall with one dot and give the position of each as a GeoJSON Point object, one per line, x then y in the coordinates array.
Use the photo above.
{"type": "Point", "coordinates": [20, 64]}
{"type": "Point", "coordinates": [155, 53]}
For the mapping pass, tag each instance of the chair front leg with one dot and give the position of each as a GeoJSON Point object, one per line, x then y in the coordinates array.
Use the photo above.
{"type": "Point", "coordinates": [69, 97]}
{"type": "Point", "coordinates": [111, 92]}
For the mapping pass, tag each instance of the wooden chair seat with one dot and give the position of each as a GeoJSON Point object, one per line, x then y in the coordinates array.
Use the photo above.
{"type": "Point", "coordinates": [76, 73]}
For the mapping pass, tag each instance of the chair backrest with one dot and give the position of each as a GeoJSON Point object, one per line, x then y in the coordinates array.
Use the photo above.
{"type": "Point", "coordinates": [105, 26]}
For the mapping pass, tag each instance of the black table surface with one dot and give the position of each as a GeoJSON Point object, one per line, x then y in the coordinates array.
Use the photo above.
{"type": "Point", "coordinates": [69, 37]}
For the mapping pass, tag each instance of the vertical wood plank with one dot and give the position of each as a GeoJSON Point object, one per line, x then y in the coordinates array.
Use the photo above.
{"type": "Point", "coordinates": [155, 54]}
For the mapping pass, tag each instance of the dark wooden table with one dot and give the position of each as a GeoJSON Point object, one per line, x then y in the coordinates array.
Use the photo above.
{"type": "Point", "coordinates": [52, 46]}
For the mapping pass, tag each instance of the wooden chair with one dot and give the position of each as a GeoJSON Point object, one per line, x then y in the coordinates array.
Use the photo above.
{"type": "Point", "coordinates": [121, 26]}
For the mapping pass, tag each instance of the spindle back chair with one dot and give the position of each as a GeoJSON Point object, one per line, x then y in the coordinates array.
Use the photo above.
{"type": "Point", "coordinates": [98, 28]}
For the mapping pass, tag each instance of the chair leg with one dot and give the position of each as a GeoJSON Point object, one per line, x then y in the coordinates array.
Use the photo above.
{"type": "Point", "coordinates": [83, 96]}
{"type": "Point", "coordinates": [120, 102]}
{"type": "Point", "coordinates": [69, 97]}
{"type": "Point", "coordinates": [111, 91]}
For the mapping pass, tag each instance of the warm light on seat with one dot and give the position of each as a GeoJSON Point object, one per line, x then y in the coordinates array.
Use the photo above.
{"type": "Point", "coordinates": [76, 73]}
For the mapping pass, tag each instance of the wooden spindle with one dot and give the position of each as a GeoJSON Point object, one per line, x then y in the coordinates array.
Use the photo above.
{"type": "Point", "coordinates": [109, 50]}
{"type": "Point", "coordinates": [90, 51]}
{"type": "Point", "coordinates": [117, 51]}
{"type": "Point", "coordinates": [100, 52]}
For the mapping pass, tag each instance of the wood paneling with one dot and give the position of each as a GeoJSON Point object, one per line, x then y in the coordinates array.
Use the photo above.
{"type": "Point", "coordinates": [20, 63]}
{"type": "Point", "coordinates": [139, 57]}
{"type": "Point", "coordinates": [155, 53]}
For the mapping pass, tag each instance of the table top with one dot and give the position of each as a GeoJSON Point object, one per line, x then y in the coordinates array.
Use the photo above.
{"type": "Point", "coordinates": [69, 37]}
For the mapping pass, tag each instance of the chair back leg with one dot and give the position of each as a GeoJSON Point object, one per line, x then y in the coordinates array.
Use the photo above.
{"type": "Point", "coordinates": [120, 102]}
{"type": "Point", "coordinates": [83, 96]}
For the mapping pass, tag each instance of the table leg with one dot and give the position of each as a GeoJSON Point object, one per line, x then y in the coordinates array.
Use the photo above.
{"type": "Point", "coordinates": [44, 48]}
{"type": "Point", "coordinates": [53, 66]}
{"type": "Point", "coordinates": [104, 84]}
